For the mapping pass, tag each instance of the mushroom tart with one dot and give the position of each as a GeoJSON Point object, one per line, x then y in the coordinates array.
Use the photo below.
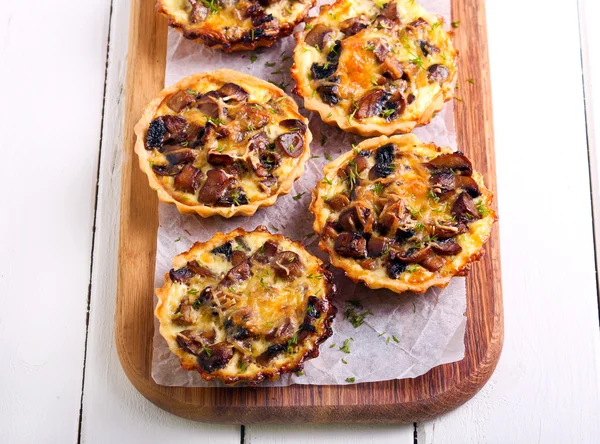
{"type": "Point", "coordinates": [374, 68]}
{"type": "Point", "coordinates": [400, 214]}
{"type": "Point", "coordinates": [246, 306]}
{"type": "Point", "coordinates": [223, 143]}
{"type": "Point", "coordinates": [234, 25]}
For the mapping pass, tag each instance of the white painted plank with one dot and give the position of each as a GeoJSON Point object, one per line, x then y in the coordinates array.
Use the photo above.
{"type": "Point", "coordinates": [113, 411]}
{"type": "Point", "coordinates": [546, 386]}
{"type": "Point", "coordinates": [52, 57]}
{"type": "Point", "coordinates": [330, 434]}
{"type": "Point", "coordinates": [589, 11]}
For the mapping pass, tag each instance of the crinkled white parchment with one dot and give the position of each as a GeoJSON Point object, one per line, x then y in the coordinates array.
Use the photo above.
{"type": "Point", "coordinates": [406, 335]}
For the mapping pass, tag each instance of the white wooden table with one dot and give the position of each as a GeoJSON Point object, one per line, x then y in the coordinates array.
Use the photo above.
{"type": "Point", "coordinates": [62, 70]}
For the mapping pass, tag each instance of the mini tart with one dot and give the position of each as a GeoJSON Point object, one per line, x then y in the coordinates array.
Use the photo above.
{"type": "Point", "coordinates": [234, 25]}
{"type": "Point", "coordinates": [222, 142]}
{"type": "Point", "coordinates": [246, 306]}
{"type": "Point", "coordinates": [400, 214]}
{"type": "Point", "coordinates": [373, 67]}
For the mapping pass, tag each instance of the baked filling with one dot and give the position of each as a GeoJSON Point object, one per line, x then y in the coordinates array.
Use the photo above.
{"type": "Point", "coordinates": [375, 67]}
{"type": "Point", "coordinates": [222, 141]}
{"type": "Point", "coordinates": [400, 214]}
{"type": "Point", "coordinates": [233, 25]}
{"type": "Point", "coordinates": [246, 306]}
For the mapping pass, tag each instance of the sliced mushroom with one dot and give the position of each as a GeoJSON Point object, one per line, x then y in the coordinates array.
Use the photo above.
{"type": "Point", "coordinates": [356, 219]}
{"type": "Point", "coordinates": [353, 25]}
{"type": "Point", "coordinates": [214, 187]}
{"type": "Point", "coordinates": [215, 357]}
{"type": "Point", "coordinates": [358, 164]}
{"type": "Point", "coordinates": [209, 105]}
{"type": "Point", "coordinates": [199, 270]}
{"type": "Point", "coordinates": [181, 275]}
{"type": "Point", "coordinates": [283, 331]}
{"type": "Point", "coordinates": [265, 253]}
{"type": "Point", "coordinates": [237, 257]}
{"type": "Point", "coordinates": [224, 249]}
{"type": "Point", "coordinates": [262, 18]}
{"type": "Point", "coordinates": [199, 12]}
{"type": "Point", "coordinates": [236, 331]}
{"type": "Point", "coordinates": [338, 202]}
{"type": "Point", "coordinates": [188, 180]}
{"type": "Point", "coordinates": [449, 231]}
{"type": "Point", "coordinates": [351, 245]}
{"type": "Point", "coordinates": [371, 104]}
{"type": "Point", "coordinates": [316, 35]}
{"type": "Point", "coordinates": [392, 68]}
{"type": "Point", "coordinates": [180, 100]}
{"type": "Point", "coordinates": [381, 50]}
{"type": "Point", "coordinates": [396, 104]}
{"type": "Point", "coordinates": [329, 94]}
{"type": "Point", "coordinates": [437, 73]}
{"type": "Point", "coordinates": [190, 341]}
{"type": "Point", "coordinates": [376, 246]}
{"type": "Point", "coordinates": [252, 118]}
{"type": "Point", "coordinates": [164, 129]}
{"type": "Point", "coordinates": [185, 315]}
{"type": "Point", "coordinates": [219, 159]}
{"type": "Point", "coordinates": [294, 125]}
{"type": "Point", "coordinates": [395, 268]}
{"type": "Point", "coordinates": [433, 262]}
{"type": "Point", "coordinates": [287, 264]}
{"type": "Point", "coordinates": [414, 255]}
{"type": "Point", "coordinates": [231, 91]}
{"type": "Point", "coordinates": [468, 184]}
{"type": "Point", "coordinates": [291, 143]}
{"type": "Point", "coordinates": [334, 53]}
{"type": "Point", "coordinates": [322, 71]}
{"type": "Point", "coordinates": [464, 209]}
{"type": "Point", "coordinates": [271, 352]}
{"type": "Point", "coordinates": [417, 23]}
{"type": "Point", "coordinates": [384, 158]}
{"type": "Point", "coordinates": [237, 274]}
{"type": "Point", "coordinates": [442, 183]}
{"type": "Point", "coordinates": [446, 247]}
{"type": "Point", "coordinates": [427, 48]}
{"type": "Point", "coordinates": [166, 170]}
{"type": "Point", "coordinates": [184, 155]}
{"type": "Point", "coordinates": [233, 196]}
{"type": "Point", "coordinates": [390, 11]}
{"type": "Point", "coordinates": [155, 137]}
{"type": "Point", "coordinates": [455, 162]}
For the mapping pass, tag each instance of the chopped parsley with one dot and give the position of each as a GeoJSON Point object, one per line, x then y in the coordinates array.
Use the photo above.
{"type": "Point", "coordinates": [388, 112]}
{"type": "Point", "coordinates": [436, 25]}
{"type": "Point", "coordinates": [350, 379]}
{"type": "Point", "coordinates": [212, 5]}
{"type": "Point", "coordinates": [208, 351]}
{"type": "Point", "coordinates": [351, 313]}
{"type": "Point", "coordinates": [378, 188]}
{"type": "Point", "coordinates": [395, 339]}
{"type": "Point", "coordinates": [253, 58]}
{"type": "Point", "coordinates": [482, 208]}
{"type": "Point", "coordinates": [455, 24]}
{"type": "Point", "coordinates": [188, 233]}
{"type": "Point", "coordinates": [300, 373]}
{"type": "Point", "coordinates": [346, 347]}
{"type": "Point", "coordinates": [327, 181]}
{"type": "Point", "coordinates": [298, 196]}
{"type": "Point", "coordinates": [327, 156]}
{"type": "Point", "coordinates": [242, 366]}
{"type": "Point", "coordinates": [332, 345]}
{"type": "Point", "coordinates": [270, 64]}
{"type": "Point", "coordinates": [471, 81]}
{"type": "Point", "coordinates": [178, 239]}
{"type": "Point", "coordinates": [344, 361]}
{"type": "Point", "coordinates": [417, 61]}
{"type": "Point", "coordinates": [323, 142]}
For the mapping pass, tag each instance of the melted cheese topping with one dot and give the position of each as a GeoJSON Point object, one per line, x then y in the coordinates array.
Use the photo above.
{"type": "Point", "coordinates": [227, 23]}
{"type": "Point", "coordinates": [266, 309]}
{"type": "Point", "coordinates": [266, 104]}
{"type": "Point", "coordinates": [421, 209]}
{"type": "Point", "coordinates": [359, 71]}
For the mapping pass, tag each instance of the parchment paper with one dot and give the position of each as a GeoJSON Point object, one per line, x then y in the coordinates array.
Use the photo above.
{"type": "Point", "coordinates": [406, 335]}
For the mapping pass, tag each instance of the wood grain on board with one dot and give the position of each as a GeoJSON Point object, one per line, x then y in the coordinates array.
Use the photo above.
{"type": "Point", "coordinates": [440, 390]}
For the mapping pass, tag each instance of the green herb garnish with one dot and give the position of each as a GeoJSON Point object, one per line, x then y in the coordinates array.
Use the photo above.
{"type": "Point", "coordinates": [346, 347]}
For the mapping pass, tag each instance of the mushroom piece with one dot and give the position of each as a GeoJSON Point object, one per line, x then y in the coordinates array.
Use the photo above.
{"type": "Point", "coordinates": [371, 104]}
{"type": "Point", "coordinates": [443, 183]}
{"type": "Point", "coordinates": [199, 270]}
{"type": "Point", "coordinates": [185, 315]}
{"type": "Point", "coordinates": [181, 275]}
{"type": "Point", "coordinates": [183, 155]}
{"type": "Point", "coordinates": [231, 91]}
{"type": "Point", "coordinates": [448, 231]}
{"type": "Point", "coordinates": [176, 127]}
{"type": "Point", "coordinates": [316, 35]}
{"type": "Point", "coordinates": [166, 170]}
{"type": "Point", "coordinates": [392, 68]}
{"type": "Point", "coordinates": [446, 247]}
{"type": "Point", "coordinates": [214, 187]}
{"type": "Point", "coordinates": [274, 350]}
{"type": "Point", "coordinates": [464, 209]}
{"type": "Point", "coordinates": [219, 159]}
{"type": "Point", "coordinates": [265, 253]}
{"type": "Point", "coordinates": [215, 357]}
{"type": "Point", "coordinates": [351, 245]}
{"type": "Point", "coordinates": [235, 197]}
{"type": "Point", "coordinates": [414, 255]}
{"type": "Point", "coordinates": [417, 23]}
{"type": "Point", "coordinates": [353, 25]}
{"type": "Point", "coordinates": [252, 118]}
{"type": "Point", "coordinates": [198, 13]}
{"type": "Point", "coordinates": [287, 264]}
{"type": "Point", "coordinates": [456, 162]}
{"type": "Point", "coordinates": [180, 100]}
{"type": "Point", "coordinates": [224, 249]}
{"type": "Point", "coordinates": [322, 71]}
{"type": "Point", "coordinates": [329, 94]}
{"type": "Point", "coordinates": [209, 105]}
{"type": "Point", "coordinates": [433, 262]}
{"type": "Point", "coordinates": [376, 246]}
{"type": "Point", "coordinates": [384, 158]}
{"type": "Point", "coordinates": [291, 143]}
{"type": "Point", "coordinates": [381, 51]}
{"type": "Point", "coordinates": [356, 219]}
{"type": "Point", "coordinates": [237, 274]}
{"type": "Point", "coordinates": [294, 125]}
{"type": "Point", "coordinates": [190, 341]}
{"type": "Point", "coordinates": [334, 53]}
{"type": "Point", "coordinates": [468, 184]}
{"type": "Point", "coordinates": [437, 73]}
{"type": "Point", "coordinates": [237, 257]}
{"type": "Point", "coordinates": [427, 48]}
{"type": "Point", "coordinates": [188, 180]}
{"type": "Point", "coordinates": [166, 128]}
{"type": "Point", "coordinates": [390, 11]}
{"type": "Point", "coordinates": [396, 105]}
{"type": "Point", "coordinates": [338, 202]}
{"type": "Point", "coordinates": [395, 268]}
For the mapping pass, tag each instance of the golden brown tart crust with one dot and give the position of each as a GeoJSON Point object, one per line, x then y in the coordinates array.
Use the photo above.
{"type": "Point", "coordinates": [246, 306]}
{"type": "Point", "coordinates": [234, 25]}
{"type": "Point", "coordinates": [222, 143]}
{"type": "Point", "coordinates": [400, 214]}
{"type": "Point", "coordinates": [374, 67]}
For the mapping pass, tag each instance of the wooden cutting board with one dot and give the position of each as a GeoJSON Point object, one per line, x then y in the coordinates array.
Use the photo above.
{"type": "Point", "coordinates": [442, 389]}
